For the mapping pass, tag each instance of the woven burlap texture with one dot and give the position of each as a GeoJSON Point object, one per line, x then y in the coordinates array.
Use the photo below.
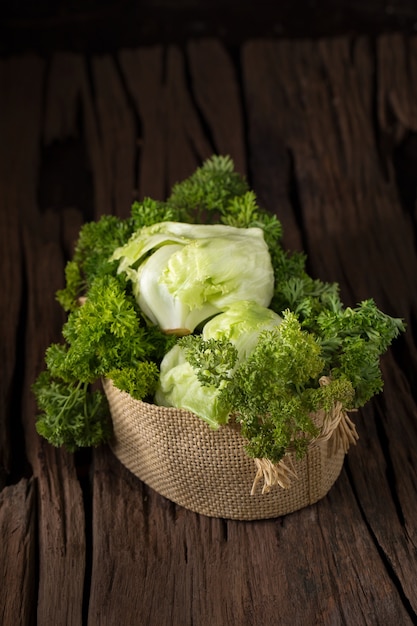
{"type": "Point", "coordinates": [208, 471]}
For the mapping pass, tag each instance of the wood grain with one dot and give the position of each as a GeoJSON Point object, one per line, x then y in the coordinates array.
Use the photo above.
{"type": "Point", "coordinates": [60, 544]}
{"type": "Point", "coordinates": [11, 270]}
{"type": "Point", "coordinates": [324, 131]}
{"type": "Point", "coordinates": [18, 513]}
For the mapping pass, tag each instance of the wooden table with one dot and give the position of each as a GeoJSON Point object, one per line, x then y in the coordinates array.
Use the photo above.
{"type": "Point", "coordinates": [326, 132]}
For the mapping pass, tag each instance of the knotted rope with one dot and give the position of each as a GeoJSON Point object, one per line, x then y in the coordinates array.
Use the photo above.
{"type": "Point", "coordinates": [336, 428]}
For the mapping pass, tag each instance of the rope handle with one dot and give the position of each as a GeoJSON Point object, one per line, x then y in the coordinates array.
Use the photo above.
{"type": "Point", "coordinates": [336, 428]}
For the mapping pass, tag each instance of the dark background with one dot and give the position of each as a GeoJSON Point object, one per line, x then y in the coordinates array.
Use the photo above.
{"type": "Point", "coordinates": [102, 26]}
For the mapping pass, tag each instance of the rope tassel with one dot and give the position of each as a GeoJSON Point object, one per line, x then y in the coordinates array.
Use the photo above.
{"type": "Point", "coordinates": [336, 428]}
{"type": "Point", "coordinates": [272, 474]}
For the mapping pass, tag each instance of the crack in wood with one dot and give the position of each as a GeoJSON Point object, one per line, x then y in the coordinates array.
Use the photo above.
{"type": "Point", "coordinates": [104, 547]}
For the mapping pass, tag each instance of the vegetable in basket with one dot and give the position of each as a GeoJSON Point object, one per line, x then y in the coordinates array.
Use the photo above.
{"type": "Point", "coordinates": [182, 274]}
{"type": "Point", "coordinates": [261, 333]}
{"type": "Point", "coordinates": [195, 372]}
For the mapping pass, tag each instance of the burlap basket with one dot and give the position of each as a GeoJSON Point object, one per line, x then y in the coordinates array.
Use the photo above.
{"type": "Point", "coordinates": [179, 456]}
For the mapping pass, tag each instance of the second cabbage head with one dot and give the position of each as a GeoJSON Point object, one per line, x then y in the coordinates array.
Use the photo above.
{"type": "Point", "coordinates": [195, 370]}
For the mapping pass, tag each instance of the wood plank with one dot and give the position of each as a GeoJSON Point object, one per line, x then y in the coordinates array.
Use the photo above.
{"type": "Point", "coordinates": [117, 131]}
{"type": "Point", "coordinates": [173, 142]}
{"type": "Point", "coordinates": [214, 83]}
{"type": "Point", "coordinates": [383, 471]}
{"type": "Point", "coordinates": [70, 113]}
{"type": "Point", "coordinates": [60, 522]}
{"type": "Point", "coordinates": [396, 105]}
{"type": "Point", "coordinates": [350, 214]}
{"type": "Point", "coordinates": [18, 553]}
{"type": "Point", "coordinates": [190, 569]}
{"type": "Point", "coordinates": [12, 303]}
{"type": "Point", "coordinates": [61, 519]}
{"type": "Point", "coordinates": [10, 268]}
{"type": "Point", "coordinates": [10, 315]}
{"type": "Point", "coordinates": [271, 153]}
{"type": "Point", "coordinates": [324, 121]}
{"type": "Point", "coordinates": [143, 70]}
{"type": "Point", "coordinates": [358, 234]}
{"type": "Point", "coordinates": [338, 577]}
{"type": "Point", "coordinates": [188, 141]}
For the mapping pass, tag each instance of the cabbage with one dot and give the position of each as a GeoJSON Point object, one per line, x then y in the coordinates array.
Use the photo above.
{"type": "Point", "coordinates": [182, 274]}
{"type": "Point", "coordinates": [179, 384]}
{"type": "Point", "coordinates": [155, 300]}
{"type": "Point", "coordinates": [180, 387]}
{"type": "Point", "coordinates": [241, 324]}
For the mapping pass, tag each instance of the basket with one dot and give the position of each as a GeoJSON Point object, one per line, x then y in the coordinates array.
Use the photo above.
{"type": "Point", "coordinates": [208, 471]}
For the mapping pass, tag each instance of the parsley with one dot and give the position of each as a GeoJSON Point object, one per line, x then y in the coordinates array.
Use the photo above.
{"type": "Point", "coordinates": [271, 393]}
{"type": "Point", "coordinates": [96, 242]}
{"type": "Point", "coordinates": [213, 360]}
{"type": "Point", "coordinates": [105, 337]}
{"type": "Point", "coordinates": [208, 191]}
{"type": "Point", "coordinates": [72, 416]}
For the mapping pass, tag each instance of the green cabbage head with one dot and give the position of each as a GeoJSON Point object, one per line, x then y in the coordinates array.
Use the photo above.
{"type": "Point", "coordinates": [179, 383]}
{"type": "Point", "coordinates": [182, 274]}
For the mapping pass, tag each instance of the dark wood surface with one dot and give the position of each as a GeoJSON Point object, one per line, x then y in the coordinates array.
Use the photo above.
{"type": "Point", "coordinates": [326, 132]}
